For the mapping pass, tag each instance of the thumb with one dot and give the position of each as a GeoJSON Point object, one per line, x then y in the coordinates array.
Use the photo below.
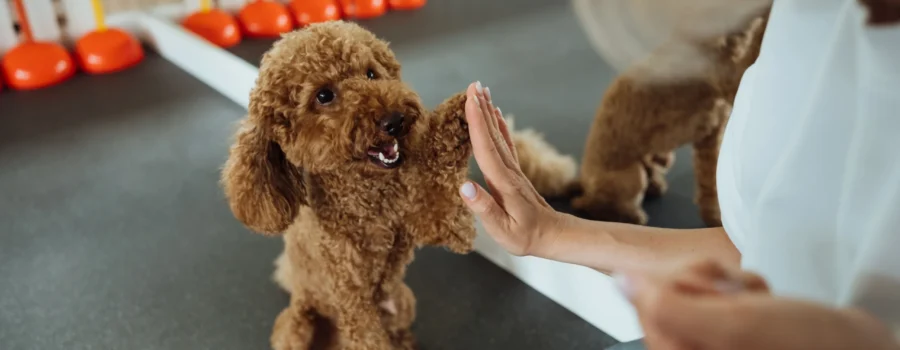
{"type": "Point", "coordinates": [482, 203]}
{"type": "Point", "coordinates": [485, 207]}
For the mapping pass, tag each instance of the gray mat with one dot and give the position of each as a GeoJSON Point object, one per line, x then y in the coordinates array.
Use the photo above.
{"type": "Point", "coordinates": [114, 233]}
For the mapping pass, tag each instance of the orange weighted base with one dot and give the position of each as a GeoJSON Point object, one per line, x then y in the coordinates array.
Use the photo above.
{"type": "Point", "coordinates": [107, 51]}
{"type": "Point", "coordinates": [406, 4]}
{"type": "Point", "coordinates": [307, 12]}
{"type": "Point", "coordinates": [35, 65]}
{"type": "Point", "coordinates": [364, 9]}
{"type": "Point", "coordinates": [216, 26]}
{"type": "Point", "coordinates": [265, 19]}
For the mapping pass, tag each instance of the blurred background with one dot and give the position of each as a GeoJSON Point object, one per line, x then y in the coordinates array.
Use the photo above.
{"type": "Point", "coordinates": [114, 232]}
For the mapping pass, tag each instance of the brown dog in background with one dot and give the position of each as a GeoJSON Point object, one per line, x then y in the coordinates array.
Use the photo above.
{"type": "Point", "coordinates": [642, 120]}
{"type": "Point", "coordinates": [340, 155]}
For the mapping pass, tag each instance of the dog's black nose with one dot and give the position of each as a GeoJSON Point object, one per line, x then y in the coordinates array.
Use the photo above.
{"type": "Point", "coordinates": [393, 124]}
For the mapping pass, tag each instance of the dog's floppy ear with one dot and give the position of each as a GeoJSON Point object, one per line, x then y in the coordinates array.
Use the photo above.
{"type": "Point", "coordinates": [263, 188]}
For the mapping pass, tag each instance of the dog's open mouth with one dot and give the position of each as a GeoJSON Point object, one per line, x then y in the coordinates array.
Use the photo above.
{"type": "Point", "coordinates": [386, 155]}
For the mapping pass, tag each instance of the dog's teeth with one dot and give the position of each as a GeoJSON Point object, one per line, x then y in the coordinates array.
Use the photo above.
{"type": "Point", "coordinates": [381, 157]}
{"type": "Point", "coordinates": [396, 147]}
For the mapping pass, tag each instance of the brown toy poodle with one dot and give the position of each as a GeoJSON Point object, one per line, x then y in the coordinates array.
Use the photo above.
{"type": "Point", "coordinates": [641, 121]}
{"type": "Point", "coordinates": [340, 156]}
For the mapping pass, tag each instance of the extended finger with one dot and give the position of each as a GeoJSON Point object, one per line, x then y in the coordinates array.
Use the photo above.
{"type": "Point", "coordinates": [506, 133]}
{"type": "Point", "coordinates": [489, 99]}
{"type": "Point", "coordinates": [484, 147]}
{"type": "Point", "coordinates": [487, 110]}
{"type": "Point", "coordinates": [492, 188]}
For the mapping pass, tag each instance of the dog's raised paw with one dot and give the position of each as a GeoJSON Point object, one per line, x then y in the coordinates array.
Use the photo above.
{"type": "Point", "coordinates": [451, 130]}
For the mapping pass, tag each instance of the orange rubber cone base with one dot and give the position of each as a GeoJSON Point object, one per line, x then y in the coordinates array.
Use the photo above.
{"type": "Point", "coordinates": [406, 4]}
{"type": "Point", "coordinates": [265, 19]}
{"type": "Point", "coordinates": [216, 26]}
{"type": "Point", "coordinates": [108, 51]}
{"type": "Point", "coordinates": [35, 65]}
{"type": "Point", "coordinates": [307, 12]}
{"type": "Point", "coordinates": [364, 9]}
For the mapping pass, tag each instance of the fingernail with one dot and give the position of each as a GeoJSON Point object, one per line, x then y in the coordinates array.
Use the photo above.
{"type": "Point", "coordinates": [625, 285]}
{"type": "Point", "coordinates": [475, 98]}
{"type": "Point", "coordinates": [468, 190]}
{"type": "Point", "coordinates": [487, 93]}
{"type": "Point", "coordinates": [499, 111]}
{"type": "Point", "coordinates": [728, 287]}
{"type": "Point", "coordinates": [478, 87]}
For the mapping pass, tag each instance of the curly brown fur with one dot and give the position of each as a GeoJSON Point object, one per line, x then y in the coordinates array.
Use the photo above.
{"type": "Point", "coordinates": [552, 174]}
{"type": "Point", "coordinates": [322, 171]}
{"type": "Point", "coordinates": [640, 121]}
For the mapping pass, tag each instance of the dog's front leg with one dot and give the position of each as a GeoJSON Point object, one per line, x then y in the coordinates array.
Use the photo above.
{"type": "Point", "coordinates": [446, 225]}
{"type": "Point", "coordinates": [352, 271]}
{"type": "Point", "coordinates": [359, 324]}
{"type": "Point", "coordinates": [444, 220]}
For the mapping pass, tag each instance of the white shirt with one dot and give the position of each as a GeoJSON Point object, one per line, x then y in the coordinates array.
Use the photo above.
{"type": "Point", "coordinates": [809, 169]}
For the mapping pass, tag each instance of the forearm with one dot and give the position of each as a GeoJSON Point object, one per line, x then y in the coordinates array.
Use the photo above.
{"type": "Point", "coordinates": [608, 247]}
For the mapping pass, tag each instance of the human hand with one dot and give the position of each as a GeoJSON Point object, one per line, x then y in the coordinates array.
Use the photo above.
{"type": "Point", "coordinates": [706, 306]}
{"type": "Point", "coordinates": [512, 211]}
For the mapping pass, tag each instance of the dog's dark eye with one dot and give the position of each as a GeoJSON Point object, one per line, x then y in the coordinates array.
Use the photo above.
{"type": "Point", "coordinates": [324, 96]}
{"type": "Point", "coordinates": [371, 74]}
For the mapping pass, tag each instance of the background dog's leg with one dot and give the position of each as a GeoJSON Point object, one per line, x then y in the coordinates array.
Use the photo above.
{"type": "Point", "coordinates": [637, 124]}
{"type": "Point", "coordinates": [615, 195]}
{"type": "Point", "coordinates": [657, 166]}
{"type": "Point", "coordinates": [706, 156]}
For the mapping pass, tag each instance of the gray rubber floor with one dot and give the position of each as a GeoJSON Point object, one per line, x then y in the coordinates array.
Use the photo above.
{"type": "Point", "coordinates": [114, 233]}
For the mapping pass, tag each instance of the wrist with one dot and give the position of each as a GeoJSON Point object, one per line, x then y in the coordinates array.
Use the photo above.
{"type": "Point", "coordinates": [570, 239]}
{"type": "Point", "coordinates": [549, 232]}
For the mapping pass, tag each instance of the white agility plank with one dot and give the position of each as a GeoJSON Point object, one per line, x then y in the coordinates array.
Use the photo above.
{"type": "Point", "coordinates": [224, 72]}
{"type": "Point", "coordinates": [43, 20]}
{"type": "Point", "coordinates": [587, 293]}
{"type": "Point", "coordinates": [8, 37]}
{"type": "Point", "coordinates": [79, 18]}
